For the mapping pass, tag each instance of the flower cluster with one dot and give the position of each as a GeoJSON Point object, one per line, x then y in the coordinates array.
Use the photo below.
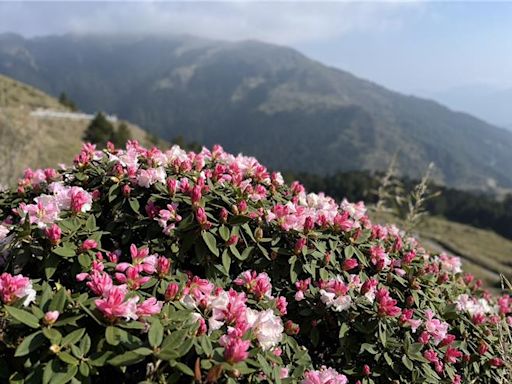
{"type": "Point", "coordinates": [46, 209]}
{"type": "Point", "coordinates": [180, 266]}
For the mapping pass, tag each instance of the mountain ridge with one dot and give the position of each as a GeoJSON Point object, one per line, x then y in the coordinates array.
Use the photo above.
{"type": "Point", "coordinates": [250, 95]}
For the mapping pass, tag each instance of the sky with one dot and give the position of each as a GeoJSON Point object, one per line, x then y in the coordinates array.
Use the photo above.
{"type": "Point", "coordinates": [413, 47]}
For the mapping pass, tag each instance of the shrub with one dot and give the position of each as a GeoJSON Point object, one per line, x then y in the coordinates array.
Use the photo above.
{"type": "Point", "coordinates": [139, 265]}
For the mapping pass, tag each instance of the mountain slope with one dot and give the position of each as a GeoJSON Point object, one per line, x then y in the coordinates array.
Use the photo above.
{"type": "Point", "coordinates": [27, 140]}
{"type": "Point", "coordinates": [291, 112]}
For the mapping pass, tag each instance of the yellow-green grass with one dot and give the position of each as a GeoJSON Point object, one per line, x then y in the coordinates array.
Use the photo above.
{"type": "Point", "coordinates": [37, 142]}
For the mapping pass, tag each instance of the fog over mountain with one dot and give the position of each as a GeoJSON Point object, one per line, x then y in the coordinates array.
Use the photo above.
{"type": "Point", "coordinates": [267, 100]}
{"type": "Point", "coordinates": [490, 103]}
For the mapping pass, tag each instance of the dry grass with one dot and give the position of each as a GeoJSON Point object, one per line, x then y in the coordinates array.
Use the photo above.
{"type": "Point", "coordinates": [28, 141]}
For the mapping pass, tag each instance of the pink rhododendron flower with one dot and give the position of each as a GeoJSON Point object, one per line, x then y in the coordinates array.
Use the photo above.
{"type": "Point", "coordinates": [53, 233]}
{"type": "Point", "coordinates": [100, 283]}
{"type": "Point", "coordinates": [379, 258]}
{"type": "Point", "coordinates": [235, 349]}
{"type": "Point", "coordinates": [350, 264]}
{"type": "Point", "coordinates": [141, 261]}
{"type": "Point", "coordinates": [172, 291]}
{"type": "Point", "coordinates": [80, 200]}
{"type": "Point", "coordinates": [132, 278]}
{"type": "Point", "coordinates": [387, 305]}
{"type": "Point", "coordinates": [115, 304]}
{"type": "Point", "coordinates": [256, 283]}
{"type": "Point", "coordinates": [148, 177]}
{"type": "Point", "coordinates": [43, 213]}
{"type": "Point", "coordinates": [324, 376]}
{"type": "Point", "coordinates": [436, 328]}
{"type": "Point", "coordinates": [451, 355]}
{"type": "Point", "coordinates": [16, 287]}
{"type": "Point", "coordinates": [149, 307]}
{"type": "Point", "coordinates": [334, 294]}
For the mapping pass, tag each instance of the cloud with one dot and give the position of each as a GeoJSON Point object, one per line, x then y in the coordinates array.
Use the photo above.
{"type": "Point", "coordinates": [281, 22]}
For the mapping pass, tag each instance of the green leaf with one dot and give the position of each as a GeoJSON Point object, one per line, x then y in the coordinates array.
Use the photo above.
{"type": "Point", "coordinates": [134, 204]}
{"type": "Point", "coordinates": [206, 344]}
{"type": "Point", "coordinates": [224, 232]}
{"type": "Point", "coordinates": [65, 250]}
{"type": "Point", "coordinates": [156, 333]}
{"type": "Point", "coordinates": [127, 358]}
{"type": "Point", "coordinates": [210, 241]}
{"type": "Point", "coordinates": [226, 262]}
{"type": "Point", "coordinates": [245, 253]}
{"type": "Point", "coordinates": [171, 347]}
{"type": "Point", "coordinates": [73, 337]}
{"type": "Point", "coordinates": [184, 368]}
{"type": "Point", "coordinates": [50, 265]}
{"type": "Point", "coordinates": [62, 378]}
{"type": "Point", "coordinates": [90, 224]}
{"type": "Point", "coordinates": [85, 344]}
{"type": "Point", "coordinates": [30, 344]}
{"type": "Point", "coordinates": [113, 335]}
{"type": "Point", "coordinates": [84, 260]}
{"type": "Point", "coordinates": [67, 358]}
{"type": "Point", "coordinates": [349, 251]}
{"type": "Point", "coordinates": [382, 334]}
{"type": "Point", "coordinates": [293, 272]}
{"type": "Point", "coordinates": [84, 369]}
{"type": "Point", "coordinates": [343, 330]}
{"type": "Point", "coordinates": [112, 192]}
{"type": "Point", "coordinates": [59, 301]}
{"type": "Point", "coordinates": [53, 335]}
{"type": "Point", "coordinates": [407, 362]}
{"type": "Point", "coordinates": [23, 316]}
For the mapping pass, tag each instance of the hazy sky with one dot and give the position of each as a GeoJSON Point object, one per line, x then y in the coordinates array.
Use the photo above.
{"type": "Point", "coordinates": [411, 47]}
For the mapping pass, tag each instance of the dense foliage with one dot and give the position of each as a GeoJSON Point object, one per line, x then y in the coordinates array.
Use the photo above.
{"type": "Point", "coordinates": [141, 265]}
{"type": "Point", "coordinates": [473, 208]}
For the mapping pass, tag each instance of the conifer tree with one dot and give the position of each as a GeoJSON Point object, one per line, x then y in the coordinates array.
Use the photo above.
{"type": "Point", "coordinates": [99, 131]}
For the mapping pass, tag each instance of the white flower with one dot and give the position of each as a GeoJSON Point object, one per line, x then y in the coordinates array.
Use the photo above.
{"type": "Point", "coordinates": [338, 303]}
{"type": "Point", "coordinates": [3, 232]}
{"type": "Point", "coordinates": [267, 327]}
{"type": "Point", "coordinates": [29, 293]}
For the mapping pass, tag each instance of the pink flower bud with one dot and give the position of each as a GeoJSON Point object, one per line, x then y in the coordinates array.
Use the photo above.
{"type": "Point", "coordinates": [53, 234]}
{"type": "Point", "coordinates": [350, 264]}
{"type": "Point", "coordinates": [223, 215]}
{"type": "Point", "coordinates": [195, 194]}
{"type": "Point", "coordinates": [299, 245]}
{"type": "Point", "coordinates": [242, 206]}
{"type": "Point", "coordinates": [172, 291]}
{"type": "Point", "coordinates": [233, 240]}
{"type": "Point", "coordinates": [172, 186]}
{"type": "Point", "coordinates": [89, 244]}
{"type": "Point", "coordinates": [126, 190]}
{"type": "Point", "coordinates": [308, 224]}
{"type": "Point", "coordinates": [163, 266]}
{"type": "Point", "coordinates": [50, 317]}
{"type": "Point", "coordinates": [291, 328]}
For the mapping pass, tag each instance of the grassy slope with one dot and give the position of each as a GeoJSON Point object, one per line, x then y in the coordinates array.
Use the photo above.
{"type": "Point", "coordinates": [484, 253]}
{"type": "Point", "coordinates": [28, 141]}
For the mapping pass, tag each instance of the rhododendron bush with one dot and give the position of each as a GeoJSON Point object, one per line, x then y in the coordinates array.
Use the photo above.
{"type": "Point", "coordinates": [139, 265]}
